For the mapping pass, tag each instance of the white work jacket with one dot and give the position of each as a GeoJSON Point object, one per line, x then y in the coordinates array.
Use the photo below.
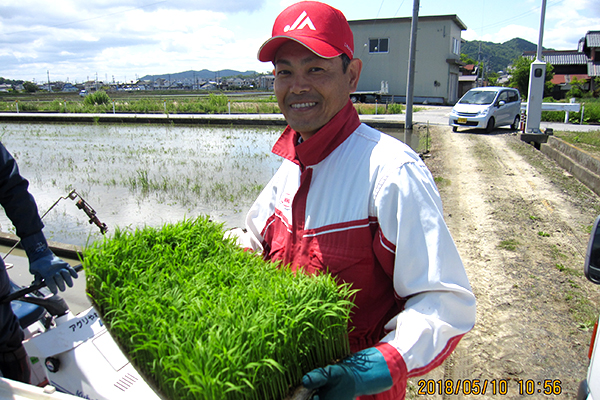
{"type": "Point", "coordinates": [363, 206]}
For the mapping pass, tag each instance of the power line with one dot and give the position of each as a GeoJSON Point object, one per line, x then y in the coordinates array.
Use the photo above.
{"type": "Point", "coordinates": [535, 10]}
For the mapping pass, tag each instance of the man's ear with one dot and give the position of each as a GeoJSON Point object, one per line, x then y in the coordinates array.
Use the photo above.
{"type": "Point", "coordinates": [354, 69]}
{"type": "Point", "coordinates": [273, 71]}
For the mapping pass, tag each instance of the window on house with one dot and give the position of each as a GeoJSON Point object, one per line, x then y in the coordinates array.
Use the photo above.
{"type": "Point", "coordinates": [455, 46]}
{"type": "Point", "coordinates": [378, 45]}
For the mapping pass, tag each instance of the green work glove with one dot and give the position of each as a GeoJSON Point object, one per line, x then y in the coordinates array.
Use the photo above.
{"type": "Point", "coordinates": [365, 372]}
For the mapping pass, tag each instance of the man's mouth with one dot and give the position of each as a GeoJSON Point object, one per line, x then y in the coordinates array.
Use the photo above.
{"type": "Point", "coordinates": [299, 106]}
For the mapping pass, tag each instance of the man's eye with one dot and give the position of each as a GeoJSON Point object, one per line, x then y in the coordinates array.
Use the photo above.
{"type": "Point", "coordinates": [283, 72]}
{"type": "Point", "coordinates": [316, 69]}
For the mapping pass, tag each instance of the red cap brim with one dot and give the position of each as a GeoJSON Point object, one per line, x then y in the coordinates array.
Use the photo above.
{"type": "Point", "coordinates": [269, 49]}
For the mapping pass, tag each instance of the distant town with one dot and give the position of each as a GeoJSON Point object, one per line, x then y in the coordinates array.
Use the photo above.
{"type": "Point", "coordinates": [234, 82]}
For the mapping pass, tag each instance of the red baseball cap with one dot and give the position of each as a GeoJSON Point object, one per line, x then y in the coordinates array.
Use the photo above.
{"type": "Point", "coordinates": [319, 27]}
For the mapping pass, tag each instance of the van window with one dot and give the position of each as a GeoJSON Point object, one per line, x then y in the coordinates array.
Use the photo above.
{"type": "Point", "coordinates": [513, 96]}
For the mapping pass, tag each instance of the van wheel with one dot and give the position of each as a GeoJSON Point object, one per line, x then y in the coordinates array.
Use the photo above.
{"type": "Point", "coordinates": [454, 129]}
{"type": "Point", "coordinates": [490, 125]}
{"type": "Point", "coordinates": [515, 124]}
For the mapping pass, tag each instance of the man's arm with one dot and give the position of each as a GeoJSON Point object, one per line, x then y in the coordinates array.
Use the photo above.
{"type": "Point", "coordinates": [18, 203]}
{"type": "Point", "coordinates": [416, 249]}
{"type": "Point", "coordinates": [21, 209]}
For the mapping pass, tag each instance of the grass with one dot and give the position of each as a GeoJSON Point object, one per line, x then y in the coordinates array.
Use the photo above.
{"type": "Point", "coordinates": [588, 141]}
{"type": "Point", "coordinates": [590, 109]}
{"type": "Point", "coordinates": [441, 181]}
{"type": "Point", "coordinates": [202, 319]}
{"type": "Point", "coordinates": [569, 271]}
{"type": "Point", "coordinates": [509, 244]}
{"type": "Point", "coordinates": [212, 103]}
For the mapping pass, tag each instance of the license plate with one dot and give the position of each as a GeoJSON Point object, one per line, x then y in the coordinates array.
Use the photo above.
{"type": "Point", "coordinates": [462, 120]}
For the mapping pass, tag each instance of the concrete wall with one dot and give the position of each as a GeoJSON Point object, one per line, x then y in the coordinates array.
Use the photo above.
{"type": "Point", "coordinates": [435, 76]}
{"type": "Point", "coordinates": [582, 165]}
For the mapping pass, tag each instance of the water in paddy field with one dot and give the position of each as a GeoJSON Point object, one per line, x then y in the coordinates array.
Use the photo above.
{"type": "Point", "coordinates": [137, 175]}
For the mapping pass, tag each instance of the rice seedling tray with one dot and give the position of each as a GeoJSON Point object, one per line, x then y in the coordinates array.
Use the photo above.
{"type": "Point", "coordinates": [200, 318]}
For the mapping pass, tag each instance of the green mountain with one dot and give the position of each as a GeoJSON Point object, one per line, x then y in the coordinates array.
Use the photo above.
{"type": "Point", "coordinates": [201, 75]}
{"type": "Point", "coordinates": [497, 56]}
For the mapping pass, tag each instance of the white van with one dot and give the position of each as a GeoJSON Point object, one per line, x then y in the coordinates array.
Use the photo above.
{"type": "Point", "coordinates": [487, 108]}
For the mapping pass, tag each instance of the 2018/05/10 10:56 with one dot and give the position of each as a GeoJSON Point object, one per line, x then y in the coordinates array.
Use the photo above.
{"type": "Point", "coordinates": [486, 386]}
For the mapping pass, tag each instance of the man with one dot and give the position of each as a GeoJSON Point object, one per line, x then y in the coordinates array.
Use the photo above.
{"type": "Point", "coordinates": [361, 205]}
{"type": "Point", "coordinates": [21, 209]}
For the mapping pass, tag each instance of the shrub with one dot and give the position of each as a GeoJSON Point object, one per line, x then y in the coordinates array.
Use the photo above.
{"type": "Point", "coordinates": [29, 106]}
{"type": "Point", "coordinates": [217, 101]}
{"type": "Point", "coordinates": [395, 108]}
{"type": "Point", "coordinates": [202, 319]}
{"type": "Point", "coordinates": [98, 98]}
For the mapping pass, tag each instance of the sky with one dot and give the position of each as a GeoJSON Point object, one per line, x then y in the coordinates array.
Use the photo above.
{"type": "Point", "coordinates": [123, 40]}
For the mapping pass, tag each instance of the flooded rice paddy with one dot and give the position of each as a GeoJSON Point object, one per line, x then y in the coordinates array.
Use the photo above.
{"type": "Point", "coordinates": [136, 175]}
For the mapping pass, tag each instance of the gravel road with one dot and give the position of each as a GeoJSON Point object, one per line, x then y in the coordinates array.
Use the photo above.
{"type": "Point", "coordinates": [521, 224]}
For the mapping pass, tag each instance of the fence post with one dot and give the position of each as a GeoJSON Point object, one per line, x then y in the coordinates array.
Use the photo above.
{"type": "Point", "coordinates": [375, 106]}
{"type": "Point", "coordinates": [571, 100]}
{"type": "Point", "coordinates": [114, 106]}
{"type": "Point", "coordinates": [17, 103]}
{"type": "Point", "coordinates": [582, 111]}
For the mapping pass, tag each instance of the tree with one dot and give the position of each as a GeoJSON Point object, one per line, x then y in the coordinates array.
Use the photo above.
{"type": "Point", "coordinates": [30, 87]}
{"type": "Point", "coordinates": [492, 78]}
{"type": "Point", "coordinates": [519, 76]}
{"type": "Point", "coordinates": [466, 59]}
{"type": "Point", "coordinates": [577, 89]}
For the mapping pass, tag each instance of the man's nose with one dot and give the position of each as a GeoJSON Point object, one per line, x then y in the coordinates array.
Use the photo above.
{"type": "Point", "coordinates": [299, 84]}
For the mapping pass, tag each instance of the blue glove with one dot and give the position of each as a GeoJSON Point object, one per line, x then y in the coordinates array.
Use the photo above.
{"type": "Point", "coordinates": [44, 264]}
{"type": "Point", "coordinates": [365, 372]}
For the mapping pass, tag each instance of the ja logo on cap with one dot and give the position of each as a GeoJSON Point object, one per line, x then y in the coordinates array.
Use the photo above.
{"type": "Point", "coordinates": [302, 22]}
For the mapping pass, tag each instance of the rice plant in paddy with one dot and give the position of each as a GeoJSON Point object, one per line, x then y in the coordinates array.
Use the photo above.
{"type": "Point", "coordinates": [202, 319]}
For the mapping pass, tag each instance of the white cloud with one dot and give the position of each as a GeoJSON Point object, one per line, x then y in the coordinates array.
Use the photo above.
{"type": "Point", "coordinates": [117, 37]}
{"type": "Point", "coordinates": [564, 24]}
{"type": "Point", "coordinates": [76, 39]}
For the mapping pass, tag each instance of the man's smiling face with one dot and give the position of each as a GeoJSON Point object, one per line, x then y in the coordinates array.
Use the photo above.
{"type": "Point", "coordinates": [311, 90]}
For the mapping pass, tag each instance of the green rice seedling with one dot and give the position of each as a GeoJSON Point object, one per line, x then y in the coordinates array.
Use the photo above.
{"type": "Point", "coordinates": [202, 319]}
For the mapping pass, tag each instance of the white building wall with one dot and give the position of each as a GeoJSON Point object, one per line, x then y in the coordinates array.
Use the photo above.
{"type": "Point", "coordinates": [435, 76]}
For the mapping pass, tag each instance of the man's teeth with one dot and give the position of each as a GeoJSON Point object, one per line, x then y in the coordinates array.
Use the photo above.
{"type": "Point", "coordinates": [303, 105]}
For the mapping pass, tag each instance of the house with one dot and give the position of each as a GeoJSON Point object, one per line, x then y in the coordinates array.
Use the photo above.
{"type": "Point", "coordinates": [582, 64]}
{"type": "Point", "coordinates": [590, 46]}
{"type": "Point", "coordinates": [468, 78]}
{"type": "Point", "coordinates": [266, 81]}
{"type": "Point", "coordinates": [69, 87]}
{"type": "Point", "coordinates": [383, 46]}
{"type": "Point", "coordinates": [567, 64]}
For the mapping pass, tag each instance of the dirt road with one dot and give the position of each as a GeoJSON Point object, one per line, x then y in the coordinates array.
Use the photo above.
{"type": "Point", "coordinates": [521, 225]}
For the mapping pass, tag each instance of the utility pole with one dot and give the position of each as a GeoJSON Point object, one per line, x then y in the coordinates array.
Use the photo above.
{"type": "Point", "coordinates": [537, 79]}
{"type": "Point", "coordinates": [411, 65]}
{"type": "Point", "coordinates": [479, 82]}
{"type": "Point", "coordinates": [49, 87]}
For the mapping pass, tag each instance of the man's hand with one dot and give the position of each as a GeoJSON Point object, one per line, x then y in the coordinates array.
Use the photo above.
{"type": "Point", "coordinates": [54, 271]}
{"type": "Point", "coordinates": [365, 372]}
{"type": "Point", "coordinates": [44, 264]}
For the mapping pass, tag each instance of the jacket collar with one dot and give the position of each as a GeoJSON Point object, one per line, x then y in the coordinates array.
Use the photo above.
{"type": "Point", "coordinates": [322, 143]}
